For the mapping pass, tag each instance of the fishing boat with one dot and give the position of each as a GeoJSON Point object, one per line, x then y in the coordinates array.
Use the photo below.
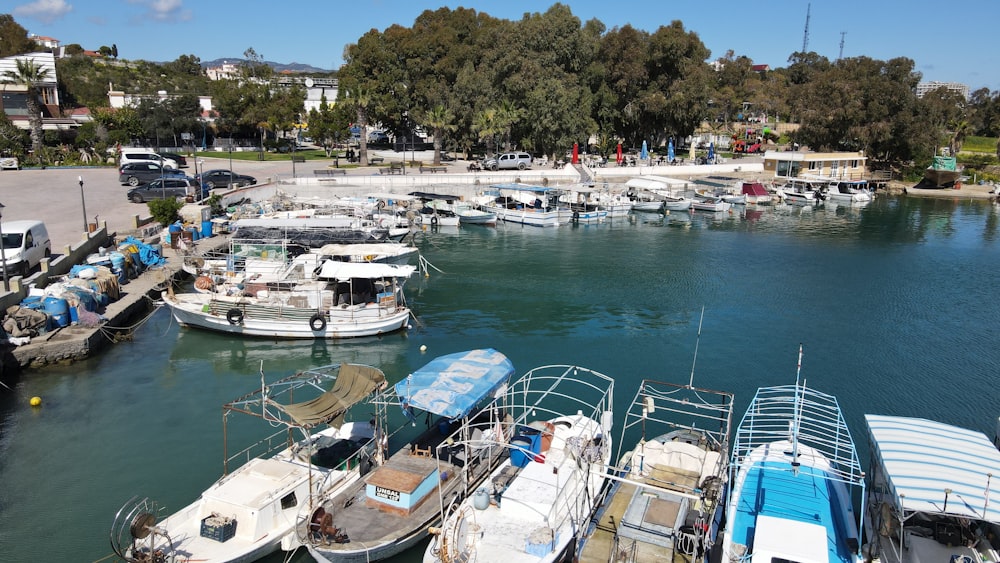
{"type": "Point", "coordinates": [855, 191]}
{"type": "Point", "coordinates": [929, 493]}
{"type": "Point", "coordinates": [437, 209]}
{"type": "Point", "coordinates": [463, 399]}
{"type": "Point", "coordinates": [253, 510]}
{"type": "Point", "coordinates": [793, 472]}
{"type": "Point", "coordinates": [711, 203]}
{"type": "Point", "coordinates": [667, 497]}
{"type": "Point", "coordinates": [942, 173]}
{"type": "Point", "coordinates": [473, 214]}
{"type": "Point", "coordinates": [525, 205]}
{"type": "Point", "coordinates": [537, 504]}
{"type": "Point", "coordinates": [578, 205]}
{"type": "Point", "coordinates": [337, 300]}
{"type": "Point", "coordinates": [756, 193]}
{"type": "Point", "coordinates": [800, 192]}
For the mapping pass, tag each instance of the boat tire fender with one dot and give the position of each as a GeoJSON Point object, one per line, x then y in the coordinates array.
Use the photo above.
{"type": "Point", "coordinates": [234, 316]}
{"type": "Point", "coordinates": [434, 220]}
{"type": "Point", "coordinates": [576, 215]}
{"type": "Point", "coordinates": [317, 322]}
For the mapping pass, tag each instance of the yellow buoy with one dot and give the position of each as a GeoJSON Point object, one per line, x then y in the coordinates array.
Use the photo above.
{"type": "Point", "coordinates": [36, 401]}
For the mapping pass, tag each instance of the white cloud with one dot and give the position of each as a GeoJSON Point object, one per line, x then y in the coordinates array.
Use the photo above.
{"type": "Point", "coordinates": [46, 11]}
{"type": "Point", "coordinates": [164, 10]}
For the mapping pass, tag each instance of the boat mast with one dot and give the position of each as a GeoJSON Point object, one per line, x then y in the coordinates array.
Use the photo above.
{"type": "Point", "coordinates": [696, 342]}
{"type": "Point", "coordinates": [796, 415]}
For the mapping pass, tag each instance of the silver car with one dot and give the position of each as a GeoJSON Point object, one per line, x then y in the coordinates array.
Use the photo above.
{"type": "Point", "coordinates": [509, 161]}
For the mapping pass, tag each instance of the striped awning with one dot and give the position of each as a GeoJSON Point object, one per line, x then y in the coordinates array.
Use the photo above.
{"type": "Point", "coordinates": [921, 459]}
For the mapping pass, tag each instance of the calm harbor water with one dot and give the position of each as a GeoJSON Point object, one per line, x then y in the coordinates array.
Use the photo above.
{"type": "Point", "coordinates": [895, 305]}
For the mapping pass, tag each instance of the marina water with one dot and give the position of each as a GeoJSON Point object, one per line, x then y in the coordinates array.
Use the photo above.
{"type": "Point", "coordinates": [895, 304]}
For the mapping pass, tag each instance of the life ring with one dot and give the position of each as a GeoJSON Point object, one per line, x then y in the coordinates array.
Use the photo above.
{"type": "Point", "coordinates": [434, 220]}
{"type": "Point", "coordinates": [317, 322]}
{"type": "Point", "coordinates": [235, 316]}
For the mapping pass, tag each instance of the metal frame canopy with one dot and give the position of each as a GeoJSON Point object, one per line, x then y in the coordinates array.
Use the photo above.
{"type": "Point", "coordinates": [452, 385]}
{"type": "Point", "coordinates": [935, 468]}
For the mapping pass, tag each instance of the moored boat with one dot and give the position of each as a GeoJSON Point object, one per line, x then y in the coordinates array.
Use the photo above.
{"type": "Point", "coordinates": [793, 474]}
{"type": "Point", "coordinates": [929, 493]}
{"type": "Point", "coordinates": [338, 300]}
{"type": "Point", "coordinates": [667, 498]}
{"type": "Point", "coordinates": [710, 203]}
{"type": "Point", "coordinates": [942, 173]}
{"type": "Point", "coordinates": [252, 511]}
{"type": "Point", "coordinates": [525, 205]}
{"type": "Point", "coordinates": [538, 502]}
{"type": "Point", "coordinates": [392, 508]}
{"type": "Point", "coordinates": [848, 192]}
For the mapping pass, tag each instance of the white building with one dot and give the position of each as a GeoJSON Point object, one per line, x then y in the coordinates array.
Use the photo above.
{"type": "Point", "coordinates": [924, 87]}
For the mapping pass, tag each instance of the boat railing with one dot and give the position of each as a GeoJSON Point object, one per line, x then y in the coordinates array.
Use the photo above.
{"type": "Point", "coordinates": [266, 446]}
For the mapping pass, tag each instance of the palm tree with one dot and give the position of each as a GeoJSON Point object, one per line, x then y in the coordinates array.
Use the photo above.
{"type": "Point", "coordinates": [486, 126]}
{"type": "Point", "coordinates": [507, 114]}
{"type": "Point", "coordinates": [29, 75]}
{"type": "Point", "coordinates": [439, 120]}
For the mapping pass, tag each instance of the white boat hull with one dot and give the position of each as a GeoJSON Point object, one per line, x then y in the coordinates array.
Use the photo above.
{"type": "Point", "coordinates": [532, 217]}
{"type": "Point", "coordinates": [346, 321]}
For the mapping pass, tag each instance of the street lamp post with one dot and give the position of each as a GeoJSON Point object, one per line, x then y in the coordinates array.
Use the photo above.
{"type": "Point", "coordinates": [230, 164]}
{"type": "Point", "coordinates": [83, 205]}
{"type": "Point", "coordinates": [3, 254]}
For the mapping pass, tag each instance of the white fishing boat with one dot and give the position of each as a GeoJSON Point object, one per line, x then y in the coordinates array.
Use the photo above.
{"type": "Point", "coordinates": [929, 492]}
{"type": "Point", "coordinates": [848, 192]}
{"type": "Point", "coordinates": [437, 209]}
{"type": "Point", "coordinates": [472, 214]}
{"type": "Point", "coordinates": [337, 300]}
{"type": "Point", "coordinates": [667, 498]}
{"type": "Point", "coordinates": [525, 205]}
{"type": "Point", "coordinates": [793, 474]}
{"type": "Point", "coordinates": [253, 510]}
{"type": "Point", "coordinates": [755, 193]}
{"type": "Point", "coordinates": [675, 202]}
{"type": "Point", "coordinates": [577, 204]}
{"type": "Point", "coordinates": [798, 191]}
{"type": "Point", "coordinates": [714, 204]}
{"type": "Point", "coordinates": [539, 501]}
{"type": "Point", "coordinates": [463, 398]}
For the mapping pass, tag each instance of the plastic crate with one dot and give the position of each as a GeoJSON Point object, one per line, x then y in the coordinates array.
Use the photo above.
{"type": "Point", "coordinates": [218, 528]}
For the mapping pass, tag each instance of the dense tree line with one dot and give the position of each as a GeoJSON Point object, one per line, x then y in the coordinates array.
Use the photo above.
{"type": "Point", "coordinates": [541, 83]}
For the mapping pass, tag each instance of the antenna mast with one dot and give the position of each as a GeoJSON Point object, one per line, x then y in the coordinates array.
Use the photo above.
{"type": "Point", "coordinates": [805, 34]}
{"type": "Point", "coordinates": [841, 55]}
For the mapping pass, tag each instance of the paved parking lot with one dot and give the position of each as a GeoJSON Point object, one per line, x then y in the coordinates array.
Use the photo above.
{"type": "Point", "coordinates": [53, 196]}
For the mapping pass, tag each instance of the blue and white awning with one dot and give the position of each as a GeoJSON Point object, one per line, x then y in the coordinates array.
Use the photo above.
{"type": "Point", "coordinates": [921, 458]}
{"type": "Point", "coordinates": [453, 385]}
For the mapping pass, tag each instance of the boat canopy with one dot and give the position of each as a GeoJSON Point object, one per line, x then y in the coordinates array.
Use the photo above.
{"type": "Point", "coordinates": [523, 188]}
{"type": "Point", "coordinates": [429, 195]}
{"type": "Point", "coordinates": [754, 188]}
{"type": "Point", "coordinates": [343, 271]}
{"type": "Point", "coordinates": [921, 459]}
{"type": "Point", "coordinates": [454, 384]}
{"type": "Point", "coordinates": [354, 382]}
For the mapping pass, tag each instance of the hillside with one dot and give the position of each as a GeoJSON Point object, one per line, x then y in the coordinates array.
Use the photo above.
{"type": "Point", "coordinates": [278, 67]}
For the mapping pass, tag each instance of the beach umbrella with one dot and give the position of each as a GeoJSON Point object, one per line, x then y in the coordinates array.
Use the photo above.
{"type": "Point", "coordinates": [576, 153]}
{"type": "Point", "coordinates": [711, 153]}
{"type": "Point", "coordinates": [618, 157]}
{"type": "Point", "coordinates": [645, 152]}
{"type": "Point", "coordinates": [670, 150]}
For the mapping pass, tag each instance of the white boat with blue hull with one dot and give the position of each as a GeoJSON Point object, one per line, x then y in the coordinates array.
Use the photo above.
{"type": "Point", "coordinates": [929, 493]}
{"type": "Point", "coordinates": [390, 510]}
{"type": "Point", "coordinates": [793, 473]}
{"type": "Point", "coordinates": [538, 502]}
{"type": "Point", "coordinates": [522, 204]}
{"type": "Point", "coordinates": [253, 510]}
{"type": "Point", "coordinates": [667, 495]}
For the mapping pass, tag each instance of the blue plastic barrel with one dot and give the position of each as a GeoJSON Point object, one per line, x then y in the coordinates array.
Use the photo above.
{"type": "Point", "coordinates": [206, 229]}
{"type": "Point", "coordinates": [33, 302]}
{"type": "Point", "coordinates": [58, 309]}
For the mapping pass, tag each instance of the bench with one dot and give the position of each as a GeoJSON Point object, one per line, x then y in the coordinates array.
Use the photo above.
{"type": "Point", "coordinates": [328, 172]}
{"type": "Point", "coordinates": [434, 169]}
{"type": "Point", "coordinates": [394, 168]}
{"type": "Point", "coordinates": [375, 159]}
{"type": "Point", "coordinates": [298, 159]}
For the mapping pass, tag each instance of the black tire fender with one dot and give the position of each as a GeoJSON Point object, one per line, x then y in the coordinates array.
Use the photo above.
{"type": "Point", "coordinates": [317, 322]}
{"type": "Point", "coordinates": [234, 316]}
{"type": "Point", "coordinates": [434, 220]}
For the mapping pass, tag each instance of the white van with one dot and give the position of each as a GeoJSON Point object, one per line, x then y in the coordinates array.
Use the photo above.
{"type": "Point", "coordinates": [145, 155]}
{"type": "Point", "coordinates": [25, 243]}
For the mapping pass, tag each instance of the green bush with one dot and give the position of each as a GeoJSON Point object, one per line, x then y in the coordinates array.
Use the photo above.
{"type": "Point", "coordinates": [165, 211]}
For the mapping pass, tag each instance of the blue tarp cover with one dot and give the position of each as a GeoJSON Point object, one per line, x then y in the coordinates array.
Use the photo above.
{"type": "Point", "coordinates": [454, 384]}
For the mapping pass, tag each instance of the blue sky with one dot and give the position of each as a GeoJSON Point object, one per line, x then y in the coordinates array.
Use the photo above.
{"type": "Point", "coordinates": [947, 44]}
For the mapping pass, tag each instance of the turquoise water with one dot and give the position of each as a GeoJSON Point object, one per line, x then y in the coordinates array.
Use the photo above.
{"type": "Point", "coordinates": [894, 304]}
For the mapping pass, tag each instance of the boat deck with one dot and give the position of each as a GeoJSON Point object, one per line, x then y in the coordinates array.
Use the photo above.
{"type": "Point", "coordinates": [773, 490]}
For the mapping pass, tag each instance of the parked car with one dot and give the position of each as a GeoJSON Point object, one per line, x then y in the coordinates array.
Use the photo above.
{"type": "Point", "coordinates": [9, 163]}
{"type": "Point", "coordinates": [165, 188]}
{"type": "Point", "coordinates": [180, 159]}
{"type": "Point", "coordinates": [509, 161]}
{"type": "Point", "coordinates": [139, 173]}
{"type": "Point", "coordinates": [25, 243]}
{"type": "Point", "coordinates": [212, 179]}
{"type": "Point", "coordinates": [145, 155]}
{"type": "Point", "coordinates": [377, 137]}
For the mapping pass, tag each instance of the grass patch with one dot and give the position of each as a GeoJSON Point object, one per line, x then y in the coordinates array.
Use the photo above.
{"type": "Point", "coordinates": [980, 144]}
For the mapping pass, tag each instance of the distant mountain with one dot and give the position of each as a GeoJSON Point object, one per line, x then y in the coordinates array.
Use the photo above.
{"type": "Point", "coordinates": [278, 67]}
